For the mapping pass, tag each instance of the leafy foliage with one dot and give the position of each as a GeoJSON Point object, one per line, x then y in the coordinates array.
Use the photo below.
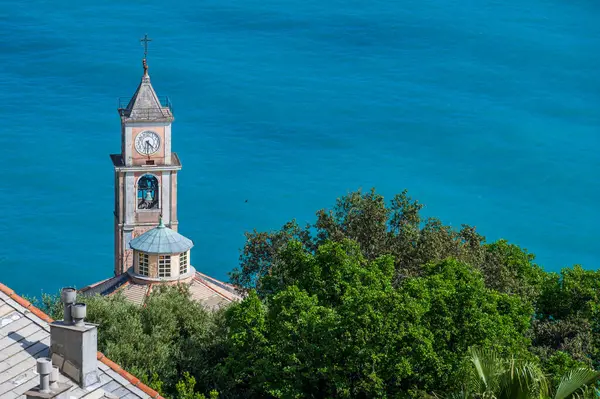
{"type": "Point", "coordinates": [397, 230]}
{"type": "Point", "coordinates": [568, 314]}
{"type": "Point", "coordinates": [185, 389]}
{"type": "Point", "coordinates": [333, 324]}
{"type": "Point", "coordinates": [371, 300]}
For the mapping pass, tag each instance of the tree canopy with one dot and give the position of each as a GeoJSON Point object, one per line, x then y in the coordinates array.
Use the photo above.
{"type": "Point", "coordinates": [398, 230]}
{"type": "Point", "coordinates": [333, 325]}
{"type": "Point", "coordinates": [370, 301]}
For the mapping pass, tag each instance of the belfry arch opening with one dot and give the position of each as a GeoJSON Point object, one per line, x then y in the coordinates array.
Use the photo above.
{"type": "Point", "coordinates": [147, 192]}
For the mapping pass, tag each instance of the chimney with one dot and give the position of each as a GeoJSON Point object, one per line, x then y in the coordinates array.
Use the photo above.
{"type": "Point", "coordinates": [74, 343]}
{"type": "Point", "coordinates": [49, 387]}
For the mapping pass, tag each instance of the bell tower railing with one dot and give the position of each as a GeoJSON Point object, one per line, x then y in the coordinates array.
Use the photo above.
{"type": "Point", "coordinates": [146, 114]}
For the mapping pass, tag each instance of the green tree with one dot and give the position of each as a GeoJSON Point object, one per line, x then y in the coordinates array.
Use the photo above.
{"type": "Point", "coordinates": [462, 312]}
{"type": "Point", "coordinates": [510, 269]}
{"type": "Point", "coordinates": [568, 315]}
{"type": "Point", "coordinates": [573, 292]}
{"type": "Point", "coordinates": [322, 331]}
{"type": "Point", "coordinates": [331, 324]}
{"type": "Point", "coordinates": [396, 229]}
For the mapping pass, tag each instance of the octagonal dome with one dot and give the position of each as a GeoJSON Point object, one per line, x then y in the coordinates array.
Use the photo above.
{"type": "Point", "coordinates": [161, 240]}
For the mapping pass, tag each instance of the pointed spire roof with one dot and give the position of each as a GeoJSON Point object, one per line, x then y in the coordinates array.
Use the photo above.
{"type": "Point", "coordinates": [145, 104]}
{"type": "Point", "coordinates": [161, 240]}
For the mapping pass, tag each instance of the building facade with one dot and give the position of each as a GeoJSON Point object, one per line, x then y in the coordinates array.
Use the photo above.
{"type": "Point", "coordinates": [145, 170]}
{"type": "Point", "coordinates": [148, 249]}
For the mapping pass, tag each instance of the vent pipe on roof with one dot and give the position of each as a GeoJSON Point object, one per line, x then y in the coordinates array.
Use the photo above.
{"type": "Point", "coordinates": [44, 368]}
{"type": "Point", "coordinates": [49, 387]}
{"type": "Point", "coordinates": [54, 378]}
{"type": "Point", "coordinates": [78, 313]}
{"type": "Point", "coordinates": [68, 296]}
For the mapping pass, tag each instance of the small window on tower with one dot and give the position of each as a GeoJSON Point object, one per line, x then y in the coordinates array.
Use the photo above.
{"type": "Point", "coordinates": [183, 263]}
{"type": "Point", "coordinates": [164, 266]}
{"type": "Point", "coordinates": [142, 263]}
{"type": "Point", "coordinates": [147, 196]}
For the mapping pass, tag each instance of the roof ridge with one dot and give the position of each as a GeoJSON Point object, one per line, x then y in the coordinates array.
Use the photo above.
{"type": "Point", "coordinates": [222, 284]}
{"type": "Point", "coordinates": [208, 286]}
{"type": "Point", "coordinates": [100, 356]}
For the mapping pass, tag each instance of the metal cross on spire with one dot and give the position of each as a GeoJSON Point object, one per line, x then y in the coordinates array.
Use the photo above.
{"type": "Point", "coordinates": [145, 41]}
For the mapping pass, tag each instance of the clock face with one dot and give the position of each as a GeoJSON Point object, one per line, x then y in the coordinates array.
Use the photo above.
{"type": "Point", "coordinates": [147, 142]}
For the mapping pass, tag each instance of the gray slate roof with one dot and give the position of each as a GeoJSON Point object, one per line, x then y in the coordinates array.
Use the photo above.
{"type": "Point", "coordinates": [161, 240]}
{"type": "Point", "coordinates": [145, 104]}
{"type": "Point", "coordinates": [24, 337]}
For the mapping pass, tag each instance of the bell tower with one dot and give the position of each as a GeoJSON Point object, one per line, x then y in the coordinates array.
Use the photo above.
{"type": "Point", "coordinates": [145, 170]}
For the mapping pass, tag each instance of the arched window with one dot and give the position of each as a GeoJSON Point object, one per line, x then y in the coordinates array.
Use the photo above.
{"type": "Point", "coordinates": [147, 192]}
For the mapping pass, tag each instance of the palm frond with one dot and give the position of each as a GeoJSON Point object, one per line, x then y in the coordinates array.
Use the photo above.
{"type": "Point", "coordinates": [574, 384]}
{"type": "Point", "coordinates": [522, 380]}
{"type": "Point", "coordinates": [488, 367]}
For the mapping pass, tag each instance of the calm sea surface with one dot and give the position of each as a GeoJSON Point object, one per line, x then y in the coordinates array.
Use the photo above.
{"type": "Point", "coordinates": [487, 111]}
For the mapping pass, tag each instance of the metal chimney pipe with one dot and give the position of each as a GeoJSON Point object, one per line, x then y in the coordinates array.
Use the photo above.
{"type": "Point", "coordinates": [44, 368]}
{"type": "Point", "coordinates": [78, 312]}
{"type": "Point", "coordinates": [68, 296]}
{"type": "Point", "coordinates": [54, 378]}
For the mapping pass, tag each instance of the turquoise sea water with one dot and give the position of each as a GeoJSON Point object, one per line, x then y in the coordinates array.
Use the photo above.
{"type": "Point", "coordinates": [487, 111]}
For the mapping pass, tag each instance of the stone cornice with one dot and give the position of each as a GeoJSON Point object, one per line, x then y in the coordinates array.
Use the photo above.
{"type": "Point", "coordinates": [121, 167]}
{"type": "Point", "coordinates": [146, 168]}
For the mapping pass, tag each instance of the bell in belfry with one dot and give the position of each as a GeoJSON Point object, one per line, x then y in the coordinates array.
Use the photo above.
{"type": "Point", "coordinates": [148, 196]}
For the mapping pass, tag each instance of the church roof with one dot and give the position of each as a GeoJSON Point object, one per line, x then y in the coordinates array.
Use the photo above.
{"type": "Point", "coordinates": [210, 292]}
{"type": "Point", "coordinates": [145, 104]}
{"type": "Point", "coordinates": [161, 240]}
{"type": "Point", "coordinates": [25, 337]}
